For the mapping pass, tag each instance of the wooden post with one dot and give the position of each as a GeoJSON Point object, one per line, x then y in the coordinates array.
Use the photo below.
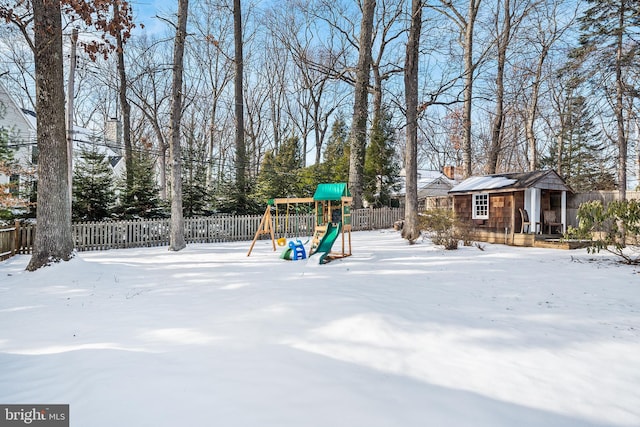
{"type": "Point", "coordinates": [16, 238]}
{"type": "Point", "coordinates": [513, 218]}
{"type": "Point", "coordinates": [264, 228]}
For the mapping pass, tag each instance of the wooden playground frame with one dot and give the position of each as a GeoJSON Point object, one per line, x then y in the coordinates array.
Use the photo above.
{"type": "Point", "coordinates": [324, 212]}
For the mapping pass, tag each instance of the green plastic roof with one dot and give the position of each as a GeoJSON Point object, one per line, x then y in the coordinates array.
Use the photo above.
{"type": "Point", "coordinates": [332, 191]}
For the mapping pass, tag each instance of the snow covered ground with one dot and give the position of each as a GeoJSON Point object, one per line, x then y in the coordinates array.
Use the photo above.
{"type": "Point", "coordinates": [396, 335]}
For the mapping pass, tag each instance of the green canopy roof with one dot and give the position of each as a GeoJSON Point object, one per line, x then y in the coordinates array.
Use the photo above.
{"type": "Point", "coordinates": [332, 191]}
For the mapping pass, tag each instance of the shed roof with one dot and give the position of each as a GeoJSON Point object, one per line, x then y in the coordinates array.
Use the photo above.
{"type": "Point", "coordinates": [331, 191]}
{"type": "Point", "coordinates": [542, 179]}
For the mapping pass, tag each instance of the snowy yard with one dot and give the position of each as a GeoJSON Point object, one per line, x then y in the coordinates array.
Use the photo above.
{"type": "Point", "coordinates": [396, 335]}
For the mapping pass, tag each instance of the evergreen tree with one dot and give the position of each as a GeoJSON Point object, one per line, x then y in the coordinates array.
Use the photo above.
{"type": "Point", "coordinates": [608, 44]}
{"type": "Point", "coordinates": [141, 200]}
{"type": "Point", "coordinates": [196, 199]}
{"type": "Point", "coordinates": [6, 160]}
{"type": "Point", "coordinates": [581, 158]}
{"type": "Point", "coordinates": [381, 169]}
{"type": "Point", "coordinates": [93, 193]}
{"type": "Point", "coordinates": [280, 172]}
{"type": "Point", "coordinates": [336, 153]}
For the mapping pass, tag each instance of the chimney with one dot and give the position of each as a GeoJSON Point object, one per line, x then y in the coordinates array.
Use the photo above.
{"type": "Point", "coordinates": [113, 131]}
{"type": "Point", "coordinates": [449, 171]}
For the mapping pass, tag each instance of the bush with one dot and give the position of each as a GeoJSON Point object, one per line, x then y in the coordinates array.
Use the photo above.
{"type": "Point", "coordinates": [444, 228]}
{"type": "Point", "coordinates": [614, 228]}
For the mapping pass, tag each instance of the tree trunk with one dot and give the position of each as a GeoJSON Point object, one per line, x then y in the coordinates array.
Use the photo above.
{"type": "Point", "coordinates": [176, 238]}
{"type": "Point", "coordinates": [469, 68]}
{"type": "Point", "coordinates": [497, 127]}
{"type": "Point", "coordinates": [411, 228]}
{"type": "Point", "coordinates": [125, 107]}
{"type": "Point", "coordinates": [361, 105]}
{"type": "Point", "coordinates": [619, 109]}
{"type": "Point", "coordinates": [241, 149]}
{"type": "Point", "coordinates": [53, 241]}
{"type": "Point", "coordinates": [532, 111]}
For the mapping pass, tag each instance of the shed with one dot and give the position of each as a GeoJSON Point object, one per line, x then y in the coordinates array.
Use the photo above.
{"type": "Point", "coordinates": [492, 203]}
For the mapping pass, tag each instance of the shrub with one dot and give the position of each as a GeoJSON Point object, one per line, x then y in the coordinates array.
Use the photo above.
{"type": "Point", "coordinates": [444, 228]}
{"type": "Point", "coordinates": [614, 228]}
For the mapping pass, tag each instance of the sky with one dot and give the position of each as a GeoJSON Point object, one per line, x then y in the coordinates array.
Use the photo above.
{"type": "Point", "coordinates": [395, 335]}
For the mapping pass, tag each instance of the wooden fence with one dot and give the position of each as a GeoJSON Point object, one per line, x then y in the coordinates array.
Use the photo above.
{"type": "Point", "coordinates": [93, 236]}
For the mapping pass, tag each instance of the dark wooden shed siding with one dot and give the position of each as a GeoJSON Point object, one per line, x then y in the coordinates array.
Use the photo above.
{"type": "Point", "coordinates": [503, 210]}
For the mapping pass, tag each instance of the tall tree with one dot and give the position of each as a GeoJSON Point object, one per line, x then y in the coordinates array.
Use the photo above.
{"type": "Point", "coordinates": [466, 25]}
{"type": "Point", "coordinates": [176, 236]}
{"type": "Point", "coordinates": [503, 37]}
{"type": "Point", "coordinates": [411, 229]}
{"type": "Point", "coordinates": [361, 104]}
{"type": "Point", "coordinates": [54, 241]}
{"type": "Point", "coordinates": [125, 107]}
{"type": "Point", "coordinates": [547, 31]}
{"type": "Point", "coordinates": [583, 160]}
{"type": "Point", "coordinates": [609, 30]}
{"type": "Point", "coordinates": [241, 149]}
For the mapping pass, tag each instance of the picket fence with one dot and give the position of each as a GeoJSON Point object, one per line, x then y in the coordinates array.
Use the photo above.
{"type": "Point", "coordinates": [103, 235]}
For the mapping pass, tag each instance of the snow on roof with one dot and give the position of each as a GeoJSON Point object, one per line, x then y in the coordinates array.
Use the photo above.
{"type": "Point", "coordinates": [476, 183]}
{"type": "Point", "coordinates": [425, 179]}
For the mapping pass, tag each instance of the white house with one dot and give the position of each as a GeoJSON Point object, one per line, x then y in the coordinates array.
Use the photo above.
{"type": "Point", "coordinates": [431, 183]}
{"type": "Point", "coordinates": [21, 124]}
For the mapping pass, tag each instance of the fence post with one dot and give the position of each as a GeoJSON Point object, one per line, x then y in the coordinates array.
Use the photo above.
{"type": "Point", "coordinates": [16, 237]}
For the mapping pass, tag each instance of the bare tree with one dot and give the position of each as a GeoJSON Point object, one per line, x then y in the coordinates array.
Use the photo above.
{"type": "Point", "coordinates": [176, 237]}
{"type": "Point", "coordinates": [546, 30]}
{"type": "Point", "coordinates": [125, 107]}
{"type": "Point", "coordinates": [214, 31]}
{"type": "Point", "coordinates": [53, 241]}
{"type": "Point", "coordinates": [411, 229]}
{"type": "Point", "coordinates": [241, 150]}
{"type": "Point", "coordinates": [361, 104]}
{"type": "Point", "coordinates": [149, 84]}
{"type": "Point", "coordinates": [507, 24]}
{"type": "Point", "coordinates": [466, 24]}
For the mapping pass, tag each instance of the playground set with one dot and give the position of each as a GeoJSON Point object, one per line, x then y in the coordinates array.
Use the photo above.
{"type": "Point", "coordinates": [332, 219]}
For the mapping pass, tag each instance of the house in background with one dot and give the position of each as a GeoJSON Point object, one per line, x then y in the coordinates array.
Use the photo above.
{"type": "Point", "coordinates": [20, 126]}
{"type": "Point", "coordinates": [432, 185]}
{"type": "Point", "coordinates": [497, 207]}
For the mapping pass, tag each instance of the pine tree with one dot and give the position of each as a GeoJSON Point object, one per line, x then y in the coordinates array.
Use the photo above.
{"type": "Point", "coordinates": [582, 159]}
{"type": "Point", "coordinates": [381, 169]}
{"type": "Point", "coordinates": [336, 153]}
{"type": "Point", "coordinates": [608, 40]}
{"type": "Point", "coordinates": [93, 193]}
{"type": "Point", "coordinates": [196, 199]}
{"type": "Point", "coordinates": [141, 200]}
{"type": "Point", "coordinates": [280, 172]}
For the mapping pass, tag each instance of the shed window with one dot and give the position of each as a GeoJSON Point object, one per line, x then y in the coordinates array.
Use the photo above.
{"type": "Point", "coordinates": [481, 206]}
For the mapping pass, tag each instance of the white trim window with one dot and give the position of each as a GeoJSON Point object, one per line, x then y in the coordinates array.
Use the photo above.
{"type": "Point", "coordinates": [480, 206]}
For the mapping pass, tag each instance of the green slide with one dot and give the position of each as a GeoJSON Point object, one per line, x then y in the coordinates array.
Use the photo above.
{"type": "Point", "coordinates": [325, 245]}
